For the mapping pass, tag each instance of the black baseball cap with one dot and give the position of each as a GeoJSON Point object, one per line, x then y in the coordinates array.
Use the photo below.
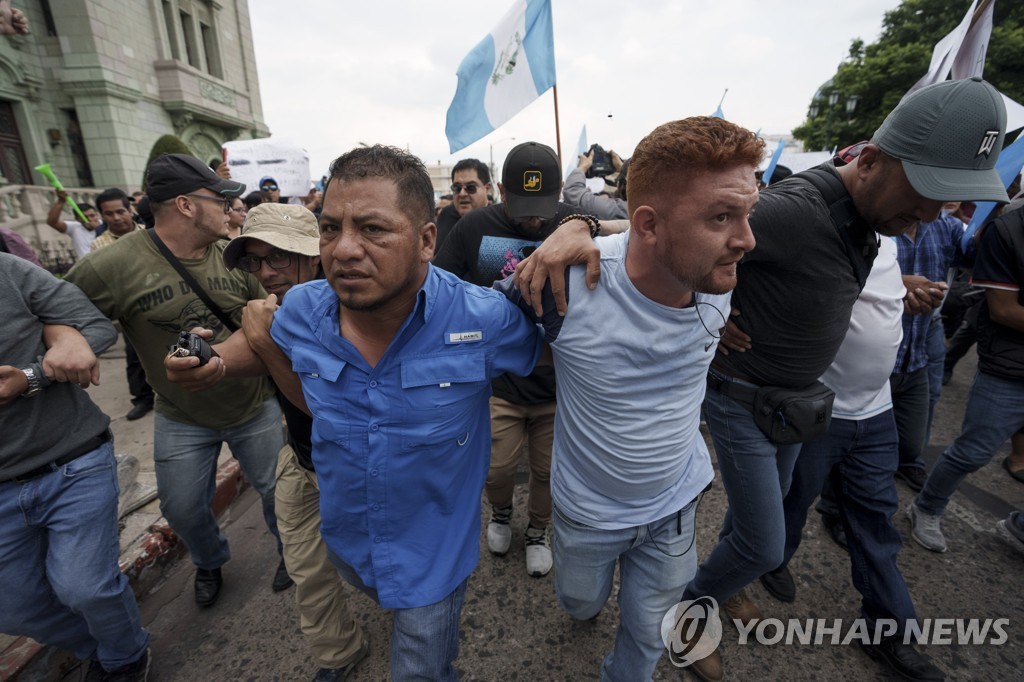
{"type": "Point", "coordinates": [171, 175]}
{"type": "Point", "coordinates": [532, 178]}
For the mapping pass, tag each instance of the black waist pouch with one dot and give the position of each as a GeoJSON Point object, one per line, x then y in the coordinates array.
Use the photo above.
{"type": "Point", "coordinates": [793, 415]}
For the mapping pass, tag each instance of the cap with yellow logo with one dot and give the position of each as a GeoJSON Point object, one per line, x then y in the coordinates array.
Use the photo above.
{"type": "Point", "coordinates": [533, 181]}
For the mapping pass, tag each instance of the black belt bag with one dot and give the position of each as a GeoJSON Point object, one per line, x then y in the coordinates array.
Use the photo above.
{"type": "Point", "coordinates": [793, 415]}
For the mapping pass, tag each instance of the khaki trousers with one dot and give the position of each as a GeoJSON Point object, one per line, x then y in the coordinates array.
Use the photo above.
{"type": "Point", "coordinates": [324, 614]}
{"type": "Point", "coordinates": [510, 426]}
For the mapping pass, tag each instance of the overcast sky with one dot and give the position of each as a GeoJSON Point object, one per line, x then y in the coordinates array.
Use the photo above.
{"type": "Point", "coordinates": [334, 73]}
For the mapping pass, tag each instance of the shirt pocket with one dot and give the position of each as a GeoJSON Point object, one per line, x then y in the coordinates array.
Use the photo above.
{"type": "Point", "coordinates": [331, 431]}
{"type": "Point", "coordinates": [442, 380]}
{"type": "Point", "coordinates": [443, 395]}
{"type": "Point", "coordinates": [314, 369]}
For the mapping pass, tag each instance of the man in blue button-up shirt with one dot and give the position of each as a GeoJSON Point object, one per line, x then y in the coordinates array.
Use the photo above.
{"type": "Point", "coordinates": [396, 359]}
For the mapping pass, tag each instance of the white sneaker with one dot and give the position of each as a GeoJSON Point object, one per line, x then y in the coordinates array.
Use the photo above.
{"type": "Point", "coordinates": [499, 532]}
{"type": "Point", "coordinates": [538, 552]}
{"type": "Point", "coordinates": [925, 529]}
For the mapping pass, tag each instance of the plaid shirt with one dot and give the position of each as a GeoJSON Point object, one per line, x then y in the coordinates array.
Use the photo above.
{"type": "Point", "coordinates": [106, 239]}
{"type": "Point", "coordinates": [935, 251]}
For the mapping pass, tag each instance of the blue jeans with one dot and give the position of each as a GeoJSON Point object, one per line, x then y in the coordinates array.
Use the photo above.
{"type": "Point", "coordinates": [756, 474]}
{"type": "Point", "coordinates": [856, 461]}
{"type": "Point", "coordinates": [425, 639]}
{"type": "Point", "coordinates": [655, 560]}
{"type": "Point", "coordinates": [935, 344]}
{"type": "Point", "coordinates": [994, 412]}
{"type": "Point", "coordinates": [185, 459]}
{"type": "Point", "coordinates": [910, 408]}
{"type": "Point", "coordinates": [59, 579]}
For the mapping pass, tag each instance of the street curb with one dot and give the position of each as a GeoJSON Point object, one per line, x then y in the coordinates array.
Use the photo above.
{"type": "Point", "coordinates": [145, 564]}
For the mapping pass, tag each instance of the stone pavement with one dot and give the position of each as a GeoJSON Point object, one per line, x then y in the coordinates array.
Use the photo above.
{"type": "Point", "coordinates": [512, 628]}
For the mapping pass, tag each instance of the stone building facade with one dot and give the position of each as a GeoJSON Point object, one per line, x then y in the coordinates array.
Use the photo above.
{"type": "Point", "coordinates": [98, 81]}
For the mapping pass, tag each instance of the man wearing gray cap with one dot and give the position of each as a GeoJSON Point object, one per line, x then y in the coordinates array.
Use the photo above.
{"type": "Point", "coordinates": [136, 281]}
{"type": "Point", "coordinates": [816, 241]}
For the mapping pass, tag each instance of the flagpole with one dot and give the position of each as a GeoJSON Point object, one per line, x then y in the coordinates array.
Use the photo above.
{"type": "Point", "coordinates": [978, 11]}
{"type": "Point", "coordinates": [558, 132]}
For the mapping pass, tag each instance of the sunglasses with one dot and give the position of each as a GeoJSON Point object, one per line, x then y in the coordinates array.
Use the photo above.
{"type": "Point", "coordinates": [470, 187]}
{"type": "Point", "coordinates": [268, 188]}
{"type": "Point", "coordinates": [226, 203]}
{"type": "Point", "coordinates": [278, 260]}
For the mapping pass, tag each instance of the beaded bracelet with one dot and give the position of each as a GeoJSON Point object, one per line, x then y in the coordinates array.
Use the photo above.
{"type": "Point", "coordinates": [591, 221]}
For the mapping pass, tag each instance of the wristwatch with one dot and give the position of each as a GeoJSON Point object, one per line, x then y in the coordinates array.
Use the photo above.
{"type": "Point", "coordinates": [34, 385]}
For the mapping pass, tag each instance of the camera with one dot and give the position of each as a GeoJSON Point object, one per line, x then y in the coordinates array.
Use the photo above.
{"type": "Point", "coordinates": [192, 345]}
{"type": "Point", "coordinates": [602, 164]}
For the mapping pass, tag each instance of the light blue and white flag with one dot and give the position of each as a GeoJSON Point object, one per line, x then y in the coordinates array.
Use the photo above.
{"type": "Point", "coordinates": [512, 66]}
{"type": "Point", "coordinates": [1008, 165]}
{"type": "Point", "coordinates": [766, 177]}
{"type": "Point", "coordinates": [581, 149]}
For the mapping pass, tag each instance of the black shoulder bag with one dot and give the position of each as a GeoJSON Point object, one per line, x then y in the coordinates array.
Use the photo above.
{"type": "Point", "coordinates": [191, 281]}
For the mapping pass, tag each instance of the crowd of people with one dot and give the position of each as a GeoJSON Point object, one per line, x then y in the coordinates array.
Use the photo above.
{"type": "Point", "coordinates": [413, 351]}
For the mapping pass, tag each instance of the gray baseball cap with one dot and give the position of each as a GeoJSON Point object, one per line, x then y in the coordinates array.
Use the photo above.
{"type": "Point", "coordinates": [289, 227]}
{"type": "Point", "coordinates": [948, 136]}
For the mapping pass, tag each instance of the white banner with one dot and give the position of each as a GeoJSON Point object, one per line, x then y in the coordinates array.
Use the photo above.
{"type": "Point", "coordinates": [251, 160]}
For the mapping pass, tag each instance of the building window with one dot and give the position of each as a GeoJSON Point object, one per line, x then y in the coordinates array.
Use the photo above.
{"type": "Point", "coordinates": [51, 27]}
{"type": "Point", "coordinates": [211, 50]}
{"type": "Point", "coordinates": [172, 29]}
{"type": "Point", "coordinates": [188, 32]}
{"type": "Point", "coordinates": [192, 34]}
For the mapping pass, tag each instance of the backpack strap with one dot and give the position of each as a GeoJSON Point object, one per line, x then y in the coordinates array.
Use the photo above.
{"type": "Point", "coordinates": [859, 241]}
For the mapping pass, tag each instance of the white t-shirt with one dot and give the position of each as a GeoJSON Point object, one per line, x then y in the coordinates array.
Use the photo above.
{"type": "Point", "coordinates": [81, 237]}
{"type": "Point", "coordinates": [860, 373]}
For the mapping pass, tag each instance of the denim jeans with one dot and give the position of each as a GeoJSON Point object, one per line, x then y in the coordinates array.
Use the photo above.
{"type": "Point", "coordinates": [185, 460]}
{"type": "Point", "coordinates": [655, 560]}
{"type": "Point", "coordinates": [856, 461]}
{"type": "Point", "coordinates": [756, 474]}
{"type": "Point", "coordinates": [425, 639]}
{"type": "Point", "coordinates": [910, 408]}
{"type": "Point", "coordinates": [935, 343]}
{"type": "Point", "coordinates": [994, 412]}
{"type": "Point", "coordinates": [59, 579]}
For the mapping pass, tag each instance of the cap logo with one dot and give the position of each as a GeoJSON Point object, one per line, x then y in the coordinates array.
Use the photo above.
{"type": "Point", "coordinates": [988, 143]}
{"type": "Point", "coordinates": [532, 181]}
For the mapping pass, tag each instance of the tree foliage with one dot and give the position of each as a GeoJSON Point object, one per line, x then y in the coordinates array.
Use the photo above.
{"type": "Point", "coordinates": [879, 74]}
{"type": "Point", "coordinates": [165, 144]}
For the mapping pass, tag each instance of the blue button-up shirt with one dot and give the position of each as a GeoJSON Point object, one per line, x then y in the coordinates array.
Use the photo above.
{"type": "Point", "coordinates": [935, 248]}
{"type": "Point", "coordinates": [402, 449]}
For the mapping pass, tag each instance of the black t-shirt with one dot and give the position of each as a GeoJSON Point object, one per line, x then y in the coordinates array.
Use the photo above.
{"type": "Point", "coordinates": [300, 431]}
{"type": "Point", "coordinates": [1000, 265]}
{"type": "Point", "coordinates": [446, 220]}
{"type": "Point", "coordinates": [300, 427]}
{"type": "Point", "coordinates": [796, 289]}
{"type": "Point", "coordinates": [484, 247]}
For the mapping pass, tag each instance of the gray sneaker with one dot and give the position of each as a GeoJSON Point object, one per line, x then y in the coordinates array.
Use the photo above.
{"type": "Point", "coordinates": [925, 529]}
{"type": "Point", "coordinates": [499, 531]}
{"type": "Point", "coordinates": [1011, 531]}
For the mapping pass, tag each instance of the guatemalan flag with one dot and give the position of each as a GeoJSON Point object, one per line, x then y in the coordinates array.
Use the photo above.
{"type": "Point", "coordinates": [512, 66]}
